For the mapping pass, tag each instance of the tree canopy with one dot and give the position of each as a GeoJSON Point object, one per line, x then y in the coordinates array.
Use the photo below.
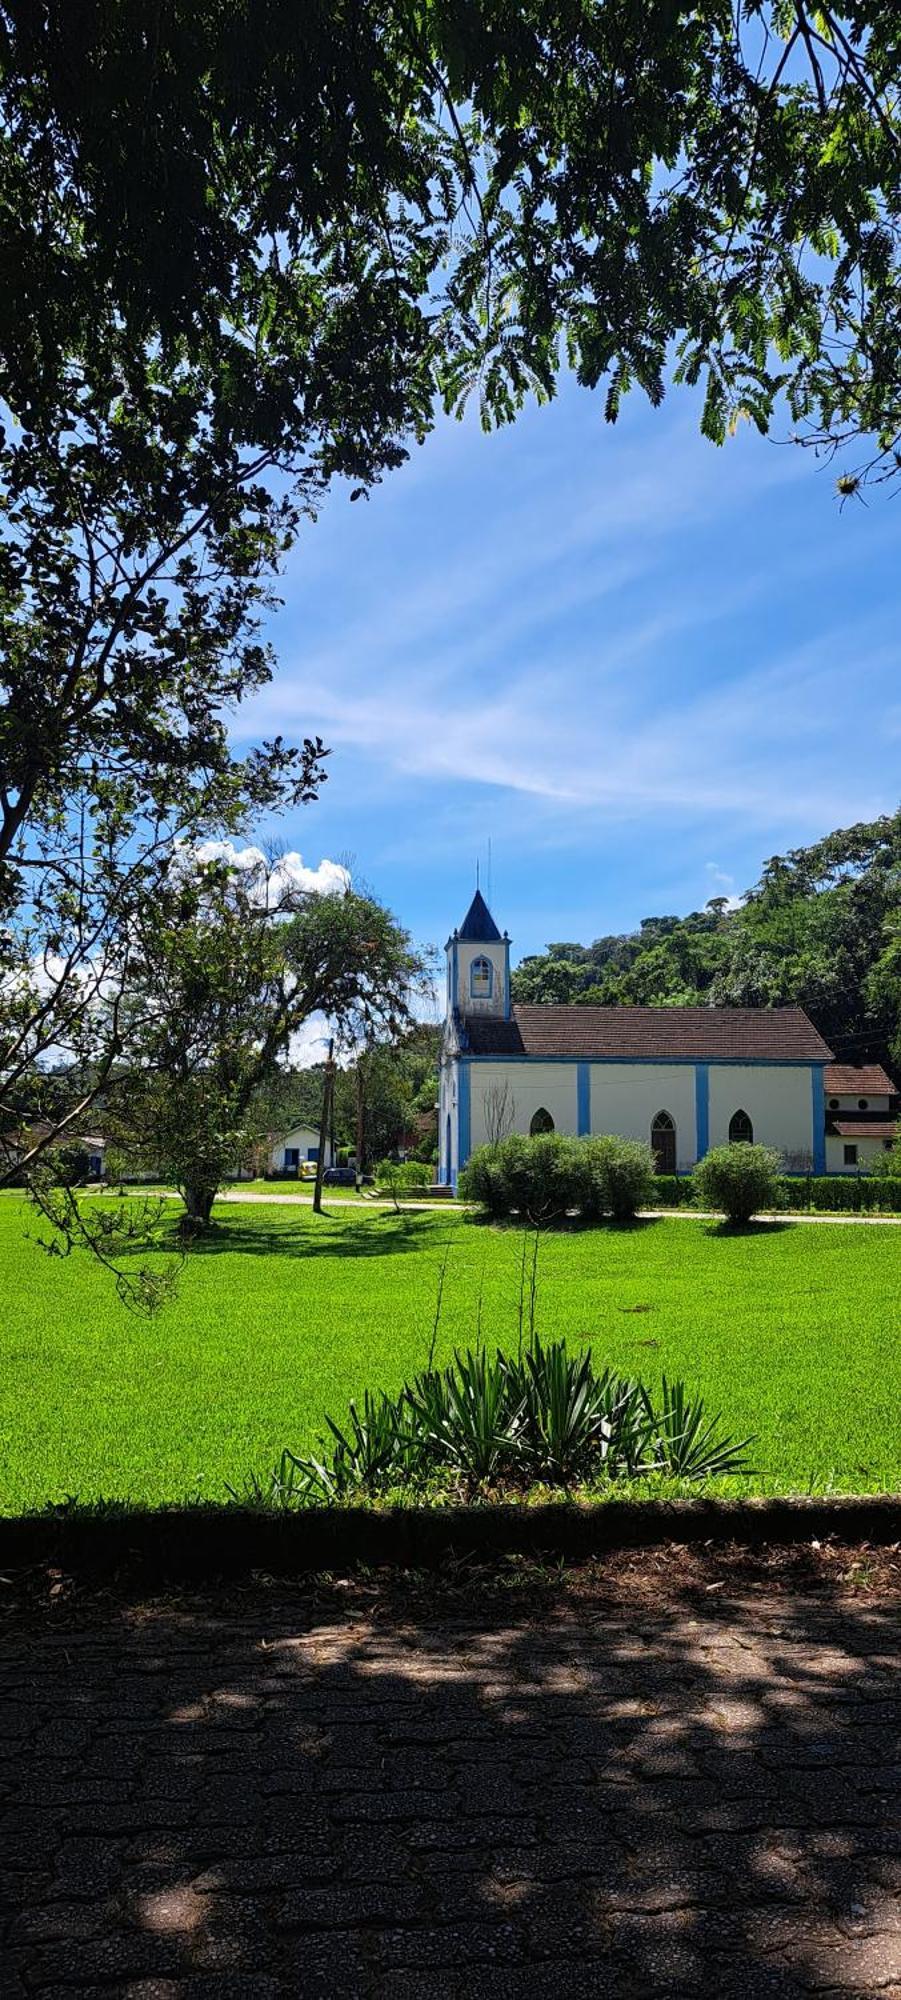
{"type": "Point", "coordinates": [357, 207]}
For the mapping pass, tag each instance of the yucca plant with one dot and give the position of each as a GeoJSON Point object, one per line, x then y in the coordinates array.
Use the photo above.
{"type": "Point", "coordinates": [562, 1415]}
{"type": "Point", "coordinates": [623, 1448]}
{"type": "Point", "coordinates": [686, 1442]}
{"type": "Point", "coordinates": [546, 1416]}
{"type": "Point", "coordinates": [469, 1417]}
{"type": "Point", "coordinates": [373, 1447]}
{"type": "Point", "coordinates": [376, 1449]}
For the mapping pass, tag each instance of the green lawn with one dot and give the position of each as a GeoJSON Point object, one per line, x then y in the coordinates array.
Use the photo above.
{"type": "Point", "coordinates": [792, 1333]}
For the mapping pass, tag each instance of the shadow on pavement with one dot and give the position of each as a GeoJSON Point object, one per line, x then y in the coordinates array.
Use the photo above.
{"type": "Point", "coordinates": [695, 1796]}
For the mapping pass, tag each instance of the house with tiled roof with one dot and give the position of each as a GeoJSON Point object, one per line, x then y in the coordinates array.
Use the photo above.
{"type": "Point", "coordinates": [861, 1116]}
{"type": "Point", "coordinates": [682, 1078]}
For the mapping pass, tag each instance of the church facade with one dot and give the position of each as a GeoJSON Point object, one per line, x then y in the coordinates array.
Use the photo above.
{"type": "Point", "coordinates": [681, 1078]}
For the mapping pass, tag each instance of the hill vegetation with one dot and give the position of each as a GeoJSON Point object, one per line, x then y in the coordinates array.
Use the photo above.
{"type": "Point", "coordinates": [821, 930]}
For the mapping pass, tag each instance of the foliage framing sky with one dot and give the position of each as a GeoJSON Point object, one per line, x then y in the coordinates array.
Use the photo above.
{"type": "Point", "coordinates": [637, 664]}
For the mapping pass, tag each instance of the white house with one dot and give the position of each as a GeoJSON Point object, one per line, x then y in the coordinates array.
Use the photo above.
{"type": "Point", "coordinates": [15, 1145]}
{"type": "Point", "coordinates": [298, 1146]}
{"type": "Point", "coordinates": [683, 1078]}
{"type": "Point", "coordinates": [860, 1116]}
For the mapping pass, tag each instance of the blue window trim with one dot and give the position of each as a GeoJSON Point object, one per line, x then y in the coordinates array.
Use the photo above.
{"type": "Point", "coordinates": [481, 960]}
{"type": "Point", "coordinates": [818, 1096]}
{"type": "Point", "coordinates": [583, 1099]}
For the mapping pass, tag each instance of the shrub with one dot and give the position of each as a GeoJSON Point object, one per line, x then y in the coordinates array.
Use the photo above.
{"type": "Point", "coordinates": [622, 1176]}
{"type": "Point", "coordinates": [547, 1177]}
{"type": "Point", "coordinates": [401, 1177]}
{"type": "Point", "coordinates": [739, 1180]}
{"type": "Point", "coordinates": [539, 1179]}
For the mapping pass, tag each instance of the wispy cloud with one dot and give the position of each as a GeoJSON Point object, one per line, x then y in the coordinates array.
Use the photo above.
{"type": "Point", "coordinates": [559, 635]}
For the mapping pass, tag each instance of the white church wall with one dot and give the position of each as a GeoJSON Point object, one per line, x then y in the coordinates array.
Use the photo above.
{"type": "Point", "coordinates": [625, 1098]}
{"type": "Point", "coordinates": [531, 1086]}
{"type": "Point", "coordinates": [778, 1101]}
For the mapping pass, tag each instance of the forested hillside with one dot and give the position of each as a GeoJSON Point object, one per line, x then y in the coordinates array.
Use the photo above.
{"type": "Point", "coordinates": [821, 930]}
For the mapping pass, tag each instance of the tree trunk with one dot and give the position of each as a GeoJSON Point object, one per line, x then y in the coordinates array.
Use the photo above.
{"type": "Point", "coordinates": [198, 1201]}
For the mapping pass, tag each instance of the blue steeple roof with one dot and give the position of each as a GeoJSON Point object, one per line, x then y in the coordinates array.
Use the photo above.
{"type": "Point", "coordinates": [478, 926]}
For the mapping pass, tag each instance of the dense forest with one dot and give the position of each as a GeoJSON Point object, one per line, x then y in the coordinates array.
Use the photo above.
{"type": "Point", "coordinates": [821, 930]}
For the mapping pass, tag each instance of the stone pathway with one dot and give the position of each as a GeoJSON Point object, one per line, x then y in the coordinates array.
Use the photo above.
{"type": "Point", "coordinates": [267, 1797]}
{"type": "Point", "coordinates": [379, 1206]}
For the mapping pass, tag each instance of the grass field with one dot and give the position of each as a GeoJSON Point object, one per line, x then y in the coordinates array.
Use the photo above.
{"type": "Point", "coordinates": [790, 1332]}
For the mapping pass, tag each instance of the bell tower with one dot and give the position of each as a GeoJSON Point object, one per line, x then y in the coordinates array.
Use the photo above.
{"type": "Point", "coordinates": [478, 966]}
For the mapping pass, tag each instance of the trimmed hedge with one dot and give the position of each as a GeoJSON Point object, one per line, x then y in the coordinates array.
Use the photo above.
{"type": "Point", "coordinates": [844, 1194]}
{"type": "Point", "coordinates": [824, 1194]}
{"type": "Point", "coordinates": [672, 1191]}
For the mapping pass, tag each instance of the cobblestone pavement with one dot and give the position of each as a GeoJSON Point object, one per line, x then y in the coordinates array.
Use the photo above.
{"type": "Point", "coordinates": [268, 1798]}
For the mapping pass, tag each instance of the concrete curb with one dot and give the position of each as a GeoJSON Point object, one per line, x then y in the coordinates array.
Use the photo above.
{"type": "Point", "coordinates": [194, 1543]}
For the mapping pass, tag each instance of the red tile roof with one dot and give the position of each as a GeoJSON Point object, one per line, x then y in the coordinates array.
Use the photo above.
{"type": "Point", "coordinates": [863, 1128]}
{"type": "Point", "coordinates": [692, 1034]}
{"type": "Point", "coordinates": [858, 1080]}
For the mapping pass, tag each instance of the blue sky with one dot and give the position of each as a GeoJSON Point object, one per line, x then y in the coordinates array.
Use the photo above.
{"type": "Point", "coordinates": [637, 664]}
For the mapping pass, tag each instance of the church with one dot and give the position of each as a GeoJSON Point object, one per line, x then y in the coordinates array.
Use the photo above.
{"type": "Point", "coordinates": [681, 1078]}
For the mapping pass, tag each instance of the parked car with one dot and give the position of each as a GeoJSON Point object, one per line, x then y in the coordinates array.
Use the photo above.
{"type": "Point", "coordinates": [339, 1177]}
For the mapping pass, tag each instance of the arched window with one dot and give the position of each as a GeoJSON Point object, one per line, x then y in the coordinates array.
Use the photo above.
{"type": "Point", "coordinates": [663, 1142]}
{"type": "Point", "coordinates": [481, 979]}
{"type": "Point", "coordinates": [542, 1122]}
{"type": "Point", "coordinates": [741, 1131]}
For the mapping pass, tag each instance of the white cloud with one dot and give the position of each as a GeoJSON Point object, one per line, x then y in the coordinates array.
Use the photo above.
{"type": "Point", "coordinates": [286, 871]}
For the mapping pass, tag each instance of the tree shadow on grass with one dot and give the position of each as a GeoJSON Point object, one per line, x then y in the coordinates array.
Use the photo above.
{"type": "Point", "coordinates": [404, 1234]}
{"type": "Point", "coordinates": [766, 1226]}
{"type": "Point", "coordinates": [632, 1795]}
{"type": "Point", "coordinates": [566, 1225]}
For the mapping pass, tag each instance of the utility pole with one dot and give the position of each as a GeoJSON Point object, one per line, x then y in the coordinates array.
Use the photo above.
{"type": "Point", "coordinates": [361, 1121]}
{"type": "Point", "coordinates": [325, 1126]}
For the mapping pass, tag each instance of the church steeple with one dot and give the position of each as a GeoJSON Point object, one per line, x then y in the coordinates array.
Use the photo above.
{"type": "Point", "coordinates": [478, 965]}
{"type": "Point", "coordinates": [478, 926]}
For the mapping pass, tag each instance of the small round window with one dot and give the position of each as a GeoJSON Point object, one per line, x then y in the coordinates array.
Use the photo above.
{"type": "Point", "coordinates": [863, 1104]}
{"type": "Point", "coordinates": [833, 1103]}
